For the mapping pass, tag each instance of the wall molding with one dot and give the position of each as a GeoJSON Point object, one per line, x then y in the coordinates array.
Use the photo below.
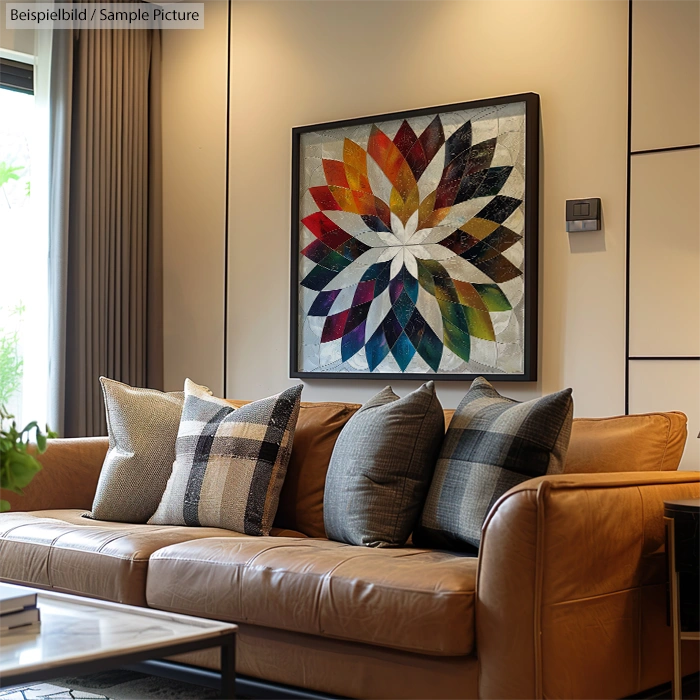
{"type": "Point", "coordinates": [227, 192]}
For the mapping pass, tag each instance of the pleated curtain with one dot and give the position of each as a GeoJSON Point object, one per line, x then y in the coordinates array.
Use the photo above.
{"type": "Point", "coordinates": [106, 273]}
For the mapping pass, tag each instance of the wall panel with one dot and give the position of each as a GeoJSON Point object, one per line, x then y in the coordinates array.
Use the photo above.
{"type": "Point", "coordinates": [665, 73]}
{"type": "Point", "coordinates": [670, 385]}
{"type": "Point", "coordinates": [194, 199]}
{"type": "Point", "coordinates": [664, 226]}
{"type": "Point", "coordinates": [665, 254]}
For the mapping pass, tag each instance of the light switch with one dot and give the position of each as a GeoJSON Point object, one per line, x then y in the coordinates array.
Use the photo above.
{"type": "Point", "coordinates": [583, 214]}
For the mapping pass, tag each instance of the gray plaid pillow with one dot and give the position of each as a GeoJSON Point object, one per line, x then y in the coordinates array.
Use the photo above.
{"type": "Point", "coordinates": [493, 443]}
{"type": "Point", "coordinates": [381, 467]}
{"type": "Point", "coordinates": [230, 463]}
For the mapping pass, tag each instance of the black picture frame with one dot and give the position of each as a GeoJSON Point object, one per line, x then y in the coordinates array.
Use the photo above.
{"type": "Point", "coordinates": [530, 240]}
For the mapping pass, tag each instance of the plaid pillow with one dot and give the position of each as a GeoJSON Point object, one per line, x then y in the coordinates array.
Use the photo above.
{"type": "Point", "coordinates": [492, 444]}
{"type": "Point", "coordinates": [229, 463]}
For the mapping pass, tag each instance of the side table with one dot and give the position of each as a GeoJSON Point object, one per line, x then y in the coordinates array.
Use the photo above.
{"type": "Point", "coordinates": [682, 519]}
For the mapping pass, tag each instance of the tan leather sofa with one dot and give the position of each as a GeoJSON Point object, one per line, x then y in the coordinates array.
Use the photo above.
{"type": "Point", "coordinates": [566, 598]}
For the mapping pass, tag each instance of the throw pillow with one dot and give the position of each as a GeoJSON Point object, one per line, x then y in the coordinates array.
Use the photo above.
{"type": "Point", "coordinates": [381, 468]}
{"type": "Point", "coordinates": [301, 498]}
{"type": "Point", "coordinates": [142, 426]}
{"type": "Point", "coordinates": [229, 463]}
{"type": "Point", "coordinates": [493, 443]}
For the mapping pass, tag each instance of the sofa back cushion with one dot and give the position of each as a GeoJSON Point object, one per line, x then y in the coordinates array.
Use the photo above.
{"type": "Point", "coordinates": [318, 427]}
{"type": "Point", "coordinates": [597, 445]}
{"type": "Point", "coordinates": [637, 443]}
{"type": "Point", "coordinates": [301, 500]}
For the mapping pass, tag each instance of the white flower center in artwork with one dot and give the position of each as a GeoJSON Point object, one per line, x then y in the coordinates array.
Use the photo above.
{"type": "Point", "coordinates": [403, 233]}
{"type": "Point", "coordinates": [403, 245]}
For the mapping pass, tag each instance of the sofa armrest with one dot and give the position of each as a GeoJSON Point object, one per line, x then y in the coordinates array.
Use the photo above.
{"type": "Point", "coordinates": [571, 588]}
{"type": "Point", "coordinates": [68, 479]}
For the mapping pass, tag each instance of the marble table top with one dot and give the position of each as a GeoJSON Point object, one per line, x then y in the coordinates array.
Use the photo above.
{"type": "Point", "coordinates": [74, 629]}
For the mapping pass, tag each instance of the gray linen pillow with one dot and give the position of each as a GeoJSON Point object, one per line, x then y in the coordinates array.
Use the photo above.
{"type": "Point", "coordinates": [381, 468]}
{"type": "Point", "coordinates": [142, 426]}
{"type": "Point", "coordinates": [493, 443]}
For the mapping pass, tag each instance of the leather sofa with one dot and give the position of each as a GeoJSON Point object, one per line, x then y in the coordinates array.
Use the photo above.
{"type": "Point", "coordinates": [565, 600]}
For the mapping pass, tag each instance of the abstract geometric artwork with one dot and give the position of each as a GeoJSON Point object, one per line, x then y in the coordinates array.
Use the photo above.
{"type": "Point", "coordinates": [415, 244]}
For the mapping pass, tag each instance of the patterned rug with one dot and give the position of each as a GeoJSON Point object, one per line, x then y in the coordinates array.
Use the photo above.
{"type": "Point", "coordinates": [110, 685]}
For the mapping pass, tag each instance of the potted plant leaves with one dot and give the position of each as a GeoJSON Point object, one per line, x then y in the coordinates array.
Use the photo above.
{"type": "Point", "coordinates": [18, 465]}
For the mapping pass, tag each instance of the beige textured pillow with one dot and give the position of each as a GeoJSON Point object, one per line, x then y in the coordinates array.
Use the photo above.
{"type": "Point", "coordinates": [230, 463]}
{"type": "Point", "coordinates": [142, 426]}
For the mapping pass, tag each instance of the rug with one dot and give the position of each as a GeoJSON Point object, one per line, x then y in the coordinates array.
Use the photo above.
{"type": "Point", "coordinates": [110, 685]}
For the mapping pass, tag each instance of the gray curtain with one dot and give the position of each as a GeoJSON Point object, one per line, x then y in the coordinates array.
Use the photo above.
{"type": "Point", "coordinates": [105, 221]}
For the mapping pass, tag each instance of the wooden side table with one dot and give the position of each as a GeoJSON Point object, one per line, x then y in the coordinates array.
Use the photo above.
{"type": "Point", "coordinates": [682, 519]}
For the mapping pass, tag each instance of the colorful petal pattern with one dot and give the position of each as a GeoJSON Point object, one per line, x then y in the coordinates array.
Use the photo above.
{"type": "Point", "coordinates": [412, 258]}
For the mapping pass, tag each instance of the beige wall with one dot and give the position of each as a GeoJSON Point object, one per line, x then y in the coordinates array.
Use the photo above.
{"type": "Point", "coordinates": [303, 62]}
{"type": "Point", "coordinates": [194, 195]}
{"type": "Point", "coordinates": [20, 40]}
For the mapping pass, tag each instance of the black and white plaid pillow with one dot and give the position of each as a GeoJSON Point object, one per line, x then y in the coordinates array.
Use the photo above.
{"type": "Point", "coordinates": [230, 463]}
{"type": "Point", "coordinates": [493, 443]}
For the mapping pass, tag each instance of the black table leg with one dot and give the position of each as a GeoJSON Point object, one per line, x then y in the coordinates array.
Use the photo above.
{"type": "Point", "coordinates": [228, 667]}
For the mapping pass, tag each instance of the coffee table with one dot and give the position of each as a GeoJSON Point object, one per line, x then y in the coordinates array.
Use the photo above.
{"type": "Point", "coordinates": [80, 635]}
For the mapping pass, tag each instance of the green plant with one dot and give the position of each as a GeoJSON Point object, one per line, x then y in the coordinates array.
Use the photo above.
{"type": "Point", "coordinates": [11, 365]}
{"type": "Point", "coordinates": [17, 465]}
{"type": "Point", "coordinates": [7, 173]}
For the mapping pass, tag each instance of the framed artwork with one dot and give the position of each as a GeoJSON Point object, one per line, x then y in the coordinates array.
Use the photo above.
{"type": "Point", "coordinates": [414, 244]}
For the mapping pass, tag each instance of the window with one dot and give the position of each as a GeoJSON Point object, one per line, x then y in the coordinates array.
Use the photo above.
{"type": "Point", "coordinates": [23, 250]}
{"type": "Point", "coordinates": [16, 76]}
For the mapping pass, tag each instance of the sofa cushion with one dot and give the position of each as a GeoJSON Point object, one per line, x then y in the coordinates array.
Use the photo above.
{"type": "Point", "coordinates": [230, 463]}
{"type": "Point", "coordinates": [381, 468]}
{"type": "Point", "coordinates": [493, 443]}
{"type": "Point", "coordinates": [301, 499]}
{"type": "Point", "coordinates": [61, 550]}
{"type": "Point", "coordinates": [142, 426]}
{"type": "Point", "coordinates": [636, 443]}
{"type": "Point", "coordinates": [411, 599]}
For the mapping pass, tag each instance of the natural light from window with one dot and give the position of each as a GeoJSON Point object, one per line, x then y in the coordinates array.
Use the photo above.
{"type": "Point", "coordinates": [23, 264]}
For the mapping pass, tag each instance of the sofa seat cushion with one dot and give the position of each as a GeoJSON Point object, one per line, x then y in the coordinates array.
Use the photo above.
{"type": "Point", "coordinates": [61, 550]}
{"type": "Point", "coordinates": [410, 599]}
